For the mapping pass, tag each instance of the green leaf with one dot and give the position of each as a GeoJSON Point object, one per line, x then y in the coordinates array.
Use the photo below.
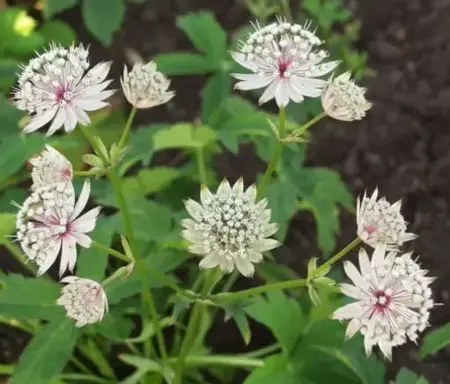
{"type": "Point", "coordinates": [143, 367]}
{"type": "Point", "coordinates": [236, 312]}
{"type": "Point", "coordinates": [103, 18]}
{"type": "Point", "coordinates": [205, 33]}
{"type": "Point", "coordinates": [29, 298]}
{"type": "Point", "coordinates": [7, 226]}
{"type": "Point", "coordinates": [47, 353]}
{"type": "Point", "coordinates": [92, 262]}
{"type": "Point", "coordinates": [183, 135]}
{"type": "Point", "coordinates": [8, 69]}
{"type": "Point", "coordinates": [435, 341]}
{"type": "Point", "coordinates": [276, 370]}
{"type": "Point", "coordinates": [216, 90]}
{"type": "Point", "coordinates": [58, 31]}
{"type": "Point", "coordinates": [52, 7]}
{"type": "Point", "coordinates": [278, 312]}
{"type": "Point", "coordinates": [405, 376]}
{"type": "Point", "coordinates": [15, 151]}
{"type": "Point", "coordinates": [184, 63]}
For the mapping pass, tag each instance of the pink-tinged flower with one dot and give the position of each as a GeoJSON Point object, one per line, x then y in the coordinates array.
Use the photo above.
{"type": "Point", "coordinates": [50, 167]}
{"type": "Point", "coordinates": [50, 223]}
{"type": "Point", "coordinates": [55, 86]}
{"type": "Point", "coordinates": [392, 299]}
{"type": "Point", "coordinates": [84, 300]}
{"type": "Point", "coordinates": [343, 100]}
{"type": "Point", "coordinates": [380, 222]}
{"type": "Point", "coordinates": [284, 60]}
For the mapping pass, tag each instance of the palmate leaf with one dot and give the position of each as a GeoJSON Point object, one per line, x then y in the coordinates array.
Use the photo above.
{"type": "Point", "coordinates": [46, 354]}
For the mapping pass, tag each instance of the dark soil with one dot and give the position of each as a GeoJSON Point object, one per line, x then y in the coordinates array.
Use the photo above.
{"type": "Point", "coordinates": [402, 146]}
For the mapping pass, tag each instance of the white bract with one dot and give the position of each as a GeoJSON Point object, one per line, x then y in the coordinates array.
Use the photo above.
{"type": "Point", "coordinates": [284, 58]}
{"type": "Point", "coordinates": [229, 228]}
{"type": "Point", "coordinates": [393, 299]}
{"type": "Point", "coordinates": [145, 87]}
{"type": "Point", "coordinates": [84, 300]}
{"type": "Point", "coordinates": [343, 100]}
{"type": "Point", "coordinates": [50, 167]}
{"type": "Point", "coordinates": [49, 221]}
{"type": "Point", "coordinates": [54, 86]}
{"type": "Point", "coordinates": [380, 222]}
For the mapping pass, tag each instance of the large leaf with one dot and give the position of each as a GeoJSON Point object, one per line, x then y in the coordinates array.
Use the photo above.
{"type": "Point", "coordinates": [52, 7]}
{"type": "Point", "coordinates": [216, 90]}
{"type": "Point", "coordinates": [435, 341]}
{"type": "Point", "coordinates": [8, 69]}
{"type": "Point", "coordinates": [183, 135]}
{"type": "Point", "coordinates": [205, 33]}
{"type": "Point", "coordinates": [47, 354]}
{"type": "Point", "coordinates": [7, 225]}
{"type": "Point", "coordinates": [275, 371]}
{"type": "Point", "coordinates": [29, 298]}
{"type": "Point", "coordinates": [92, 262]}
{"type": "Point", "coordinates": [58, 31]}
{"type": "Point", "coordinates": [279, 312]}
{"type": "Point", "coordinates": [103, 18]}
{"type": "Point", "coordinates": [183, 63]}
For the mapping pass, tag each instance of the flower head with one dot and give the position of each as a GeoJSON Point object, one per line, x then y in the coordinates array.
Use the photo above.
{"type": "Point", "coordinates": [49, 221]}
{"type": "Point", "coordinates": [343, 100]}
{"type": "Point", "coordinates": [145, 87]}
{"type": "Point", "coordinates": [229, 228]}
{"type": "Point", "coordinates": [84, 300]}
{"type": "Point", "coordinates": [284, 59]}
{"type": "Point", "coordinates": [392, 299]}
{"type": "Point", "coordinates": [50, 167]}
{"type": "Point", "coordinates": [54, 86]}
{"type": "Point", "coordinates": [380, 222]}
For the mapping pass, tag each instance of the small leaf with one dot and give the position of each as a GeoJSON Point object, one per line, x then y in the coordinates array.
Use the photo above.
{"type": "Point", "coordinates": [103, 18]}
{"type": "Point", "coordinates": [47, 354]}
{"type": "Point", "coordinates": [184, 63]}
{"type": "Point", "coordinates": [313, 295]}
{"type": "Point", "coordinates": [205, 33]}
{"type": "Point", "coordinates": [236, 312]}
{"type": "Point", "coordinates": [52, 7]}
{"type": "Point", "coordinates": [435, 341]}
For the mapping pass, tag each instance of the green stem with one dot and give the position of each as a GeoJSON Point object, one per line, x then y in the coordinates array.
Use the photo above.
{"type": "Point", "coordinates": [201, 166]}
{"type": "Point", "coordinates": [88, 173]}
{"type": "Point", "coordinates": [224, 360]}
{"type": "Point", "coordinates": [285, 6]}
{"type": "Point", "coordinates": [301, 130]}
{"type": "Point", "coordinates": [337, 256]}
{"type": "Point", "coordinates": [194, 320]}
{"type": "Point", "coordinates": [276, 154]}
{"type": "Point", "coordinates": [126, 131]}
{"type": "Point", "coordinates": [90, 136]}
{"type": "Point", "coordinates": [147, 298]}
{"type": "Point", "coordinates": [110, 251]}
{"type": "Point", "coordinates": [225, 297]}
{"type": "Point", "coordinates": [17, 253]}
{"type": "Point", "coordinates": [263, 351]}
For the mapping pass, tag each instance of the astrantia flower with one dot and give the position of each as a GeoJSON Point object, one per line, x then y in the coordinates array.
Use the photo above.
{"type": "Point", "coordinates": [393, 299]}
{"type": "Point", "coordinates": [84, 300]}
{"type": "Point", "coordinates": [145, 87]}
{"type": "Point", "coordinates": [284, 59]}
{"type": "Point", "coordinates": [50, 167]}
{"type": "Point", "coordinates": [380, 222]}
{"type": "Point", "coordinates": [49, 222]}
{"type": "Point", "coordinates": [343, 100]}
{"type": "Point", "coordinates": [229, 228]}
{"type": "Point", "coordinates": [54, 87]}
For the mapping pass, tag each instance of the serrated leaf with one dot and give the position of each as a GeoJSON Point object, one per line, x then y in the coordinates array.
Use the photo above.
{"type": "Point", "coordinates": [216, 90]}
{"type": "Point", "coordinates": [29, 298]}
{"type": "Point", "coordinates": [52, 7]}
{"type": "Point", "coordinates": [184, 63]}
{"type": "Point", "coordinates": [103, 18]}
{"type": "Point", "coordinates": [435, 341]}
{"type": "Point", "coordinates": [205, 33]}
{"type": "Point", "coordinates": [278, 312]}
{"type": "Point", "coordinates": [47, 354]}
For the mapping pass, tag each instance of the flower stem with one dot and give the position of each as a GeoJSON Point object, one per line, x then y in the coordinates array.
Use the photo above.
{"type": "Point", "coordinates": [210, 281]}
{"type": "Point", "coordinates": [263, 351]}
{"type": "Point", "coordinates": [302, 129]}
{"type": "Point", "coordinates": [276, 154]}
{"type": "Point", "coordinates": [147, 298]}
{"type": "Point", "coordinates": [337, 256]}
{"type": "Point", "coordinates": [126, 131]}
{"type": "Point", "coordinates": [226, 297]}
{"type": "Point", "coordinates": [224, 360]}
{"type": "Point", "coordinates": [88, 173]}
{"type": "Point", "coordinates": [110, 251]}
{"type": "Point", "coordinates": [286, 9]}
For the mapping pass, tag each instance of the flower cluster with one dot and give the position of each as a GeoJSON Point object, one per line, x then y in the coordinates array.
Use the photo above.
{"type": "Point", "coordinates": [229, 228]}
{"type": "Point", "coordinates": [391, 291]}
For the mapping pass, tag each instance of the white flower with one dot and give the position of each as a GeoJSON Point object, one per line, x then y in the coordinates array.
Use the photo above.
{"type": "Point", "coordinates": [283, 58]}
{"type": "Point", "coordinates": [84, 300]}
{"type": "Point", "coordinates": [379, 222]}
{"type": "Point", "coordinates": [393, 299]}
{"type": "Point", "coordinates": [50, 167]}
{"type": "Point", "coordinates": [145, 87]}
{"type": "Point", "coordinates": [54, 86]}
{"type": "Point", "coordinates": [343, 100]}
{"type": "Point", "coordinates": [49, 222]}
{"type": "Point", "coordinates": [229, 228]}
